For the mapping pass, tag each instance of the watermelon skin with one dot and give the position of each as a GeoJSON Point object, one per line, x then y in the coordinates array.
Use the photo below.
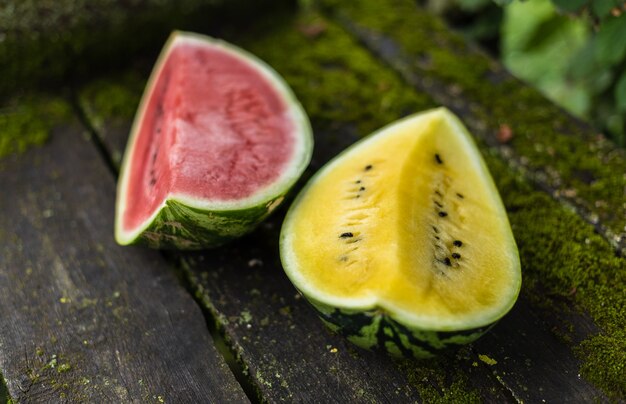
{"type": "Point", "coordinates": [181, 227]}
{"type": "Point", "coordinates": [374, 330]}
{"type": "Point", "coordinates": [183, 221]}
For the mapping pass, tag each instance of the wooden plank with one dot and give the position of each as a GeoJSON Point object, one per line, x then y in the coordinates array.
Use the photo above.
{"type": "Point", "coordinates": [533, 363]}
{"type": "Point", "coordinates": [83, 319]}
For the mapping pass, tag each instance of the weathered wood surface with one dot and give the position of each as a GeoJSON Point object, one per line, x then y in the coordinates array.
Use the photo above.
{"type": "Point", "coordinates": [82, 319]}
{"type": "Point", "coordinates": [290, 356]}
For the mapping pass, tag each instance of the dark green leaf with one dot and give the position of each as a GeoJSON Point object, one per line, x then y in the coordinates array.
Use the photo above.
{"type": "Point", "coordinates": [602, 8]}
{"type": "Point", "coordinates": [611, 41]}
{"type": "Point", "coordinates": [473, 5]}
{"type": "Point", "coordinates": [502, 2]}
{"type": "Point", "coordinates": [569, 5]}
{"type": "Point", "coordinates": [620, 93]}
{"type": "Point", "coordinates": [582, 64]}
{"type": "Point", "coordinates": [600, 80]}
{"type": "Point", "coordinates": [545, 31]}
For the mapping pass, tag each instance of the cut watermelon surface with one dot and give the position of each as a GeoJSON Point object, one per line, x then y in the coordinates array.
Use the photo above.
{"type": "Point", "coordinates": [218, 140]}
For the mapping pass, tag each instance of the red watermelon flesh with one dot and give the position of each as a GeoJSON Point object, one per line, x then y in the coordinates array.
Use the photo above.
{"type": "Point", "coordinates": [214, 128]}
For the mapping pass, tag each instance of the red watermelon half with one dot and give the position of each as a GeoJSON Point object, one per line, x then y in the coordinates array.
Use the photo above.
{"type": "Point", "coordinates": [218, 140]}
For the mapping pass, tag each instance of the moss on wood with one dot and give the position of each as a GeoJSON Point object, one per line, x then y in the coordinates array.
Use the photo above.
{"type": "Point", "coordinates": [4, 393]}
{"type": "Point", "coordinates": [46, 43]}
{"type": "Point", "coordinates": [27, 121]}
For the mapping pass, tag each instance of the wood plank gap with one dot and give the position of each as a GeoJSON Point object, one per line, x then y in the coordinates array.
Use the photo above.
{"type": "Point", "coordinates": [95, 137]}
{"type": "Point", "coordinates": [222, 343]}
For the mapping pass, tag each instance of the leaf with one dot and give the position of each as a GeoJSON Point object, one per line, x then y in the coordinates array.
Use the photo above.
{"type": "Point", "coordinates": [569, 6]}
{"type": "Point", "coordinates": [611, 41]}
{"type": "Point", "coordinates": [602, 8]}
{"type": "Point", "coordinates": [582, 64]}
{"type": "Point", "coordinates": [620, 93]}
{"type": "Point", "coordinates": [503, 2]}
{"type": "Point", "coordinates": [545, 32]}
{"type": "Point", "coordinates": [472, 5]}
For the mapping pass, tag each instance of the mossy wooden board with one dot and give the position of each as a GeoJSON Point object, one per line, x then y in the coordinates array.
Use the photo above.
{"type": "Point", "coordinates": [531, 355]}
{"type": "Point", "coordinates": [82, 319]}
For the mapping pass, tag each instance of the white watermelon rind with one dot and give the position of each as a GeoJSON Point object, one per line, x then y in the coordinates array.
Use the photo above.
{"type": "Point", "coordinates": [325, 302]}
{"type": "Point", "coordinates": [186, 222]}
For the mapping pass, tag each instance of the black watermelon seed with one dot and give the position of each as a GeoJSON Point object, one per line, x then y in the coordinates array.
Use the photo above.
{"type": "Point", "coordinates": [447, 261]}
{"type": "Point", "coordinates": [443, 214]}
{"type": "Point", "coordinates": [456, 255]}
{"type": "Point", "coordinates": [368, 167]}
{"type": "Point", "coordinates": [438, 158]}
{"type": "Point", "coordinates": [357, 181]}
{"type": "Point", "coordinates": [457, 243]}
{"type": "Point", "coordinates": [435, 229]}
{"type": "Point", "coordinates": [362, 189]}
{"type": "Point", "coordinates": [460, 195]}
{"type": "Point", "coordinates": [437, 237]}
{"type": "Point", "coordinates": [346, 235]}
{"type": "Point", "coordinates": [438, 204]}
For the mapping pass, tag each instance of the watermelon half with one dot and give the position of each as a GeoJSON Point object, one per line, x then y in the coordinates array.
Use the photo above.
{"type": "Point", "coordinates": [218, 140]}
{"type": "Point", "coordinates": [402, 242]}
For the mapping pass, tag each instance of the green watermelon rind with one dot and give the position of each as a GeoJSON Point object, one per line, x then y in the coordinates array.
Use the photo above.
{"type": "Point", "coordinates": [376, 329]}
{"type": "Point", "coordinates": [181, 227]}
{"type": "Point", "coordinates": [186, 222]}
{"type": "Point", "coordinates": [423, 337]}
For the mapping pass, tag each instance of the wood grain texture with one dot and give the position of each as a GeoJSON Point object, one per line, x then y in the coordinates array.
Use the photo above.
{"type": "Point", "coordinates": [84, 320]}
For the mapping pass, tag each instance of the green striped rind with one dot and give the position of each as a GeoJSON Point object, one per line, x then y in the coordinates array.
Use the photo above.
{"type": "Point", "coordinates": [180, 227]}
{"type": "Point", "coordinates": [376, 330]}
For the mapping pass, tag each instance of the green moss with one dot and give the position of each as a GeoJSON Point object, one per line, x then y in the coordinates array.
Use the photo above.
{"type": "Point", "coordinates": [437, 384]}
{"type": "Point", "coordinates": [331, 74]}
{"type": "Point", "coordinates": [4, 392]}
{"type": "Point", "coordinates": [109, 104]}
{"type": "Point", "coordinates": [45, 43]}
{"type": "Point", "coordinates": [112, 99]}
{"type": "Point", "coordinates": [588, 169]}
{"type": "Point", "coordinates": [606, 363]}
{"type": "Point", "coordinates": [27, 121]}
